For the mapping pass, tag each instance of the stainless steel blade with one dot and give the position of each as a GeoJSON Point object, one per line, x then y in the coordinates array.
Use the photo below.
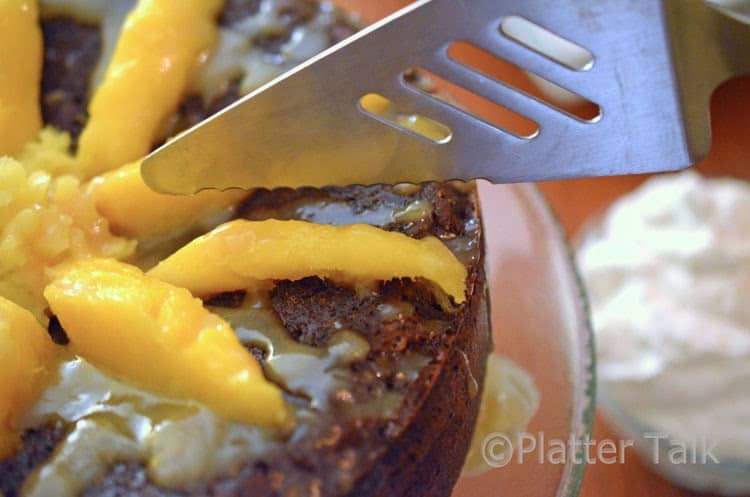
{"type": "Point", "coordinates": [306, 128]}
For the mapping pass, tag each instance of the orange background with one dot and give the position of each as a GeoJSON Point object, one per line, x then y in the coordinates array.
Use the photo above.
{"type": "Point", "coordinates": [575, 201]}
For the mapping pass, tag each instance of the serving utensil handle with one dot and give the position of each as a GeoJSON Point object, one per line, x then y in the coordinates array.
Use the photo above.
{"type": "Point", "coordinates": [710, 44]}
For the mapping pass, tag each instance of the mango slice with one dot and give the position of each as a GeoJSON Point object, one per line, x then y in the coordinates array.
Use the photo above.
{"type": "Point", "coordinates": [160, 44]}
{"type": "Point", "coordinates": [25, 350]}
{"type": "Point", "coordinates": [161, 338]}
{"type": "Point", "coordinates": [241, 254]}
{"type": "Point", "coordinates": [20, 74]}
{"type": "Point", "coordinates": [136, 211]}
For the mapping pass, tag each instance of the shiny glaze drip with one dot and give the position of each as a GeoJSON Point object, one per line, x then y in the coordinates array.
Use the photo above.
{"type": "Point", "coordinates": [341, 213]}
{"type": "Point", "coordinates": [238, 56]}
{"type": "Point", "coordinates": [466, 248]}
{"type": "Point", "coordinates": [472, 385]}
{"type": "Point", "coordinates": [321, 376]}
{"type": "Point", "coordinates": [179, 442]}
{"type": "Point", "coordinates": [315, 373]}
{"type": "Point", "coordinates": [415, 211]}
{"type": "Point", "coordinates": [390, 311]}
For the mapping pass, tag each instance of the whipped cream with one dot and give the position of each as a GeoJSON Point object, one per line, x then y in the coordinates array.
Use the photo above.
{"type": "Point", "coordinates": [668, 275]}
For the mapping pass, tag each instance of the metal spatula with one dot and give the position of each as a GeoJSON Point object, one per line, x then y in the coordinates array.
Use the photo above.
{"type": "Point", "coordinates": [654, 64]}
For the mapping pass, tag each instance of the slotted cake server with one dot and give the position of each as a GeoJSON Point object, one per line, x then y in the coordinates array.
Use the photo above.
{"type": "Point", "coordinates": [653, 67]}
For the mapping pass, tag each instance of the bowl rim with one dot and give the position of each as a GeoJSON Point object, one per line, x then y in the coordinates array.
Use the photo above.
{"type": "Point", "coordinates": [585, 377]}
{"type": "Point", "coordinates": [577, 331]}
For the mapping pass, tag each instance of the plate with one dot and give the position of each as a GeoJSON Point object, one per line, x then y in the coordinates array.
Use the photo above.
{"type": "Point", "coordinates": [540, 320]}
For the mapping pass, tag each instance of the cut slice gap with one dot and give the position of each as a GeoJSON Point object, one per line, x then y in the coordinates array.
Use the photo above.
{"type": "Point", "coordinates": [471, 103]}
{"type": "Point", "coordinates": [385, 110]}
{"type": "Point", "coordinates": [489, 64]}
{"type": "Point", "coordinates": [547, 43]}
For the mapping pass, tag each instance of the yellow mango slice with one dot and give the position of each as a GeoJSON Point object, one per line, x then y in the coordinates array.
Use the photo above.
{"type": "Point", "coordinates": [161, 338]}
{"type": "Point", "coordinates": [160, 44]}
{"type": "Point", "coordinates": [25, 350]}
{"type": "Point", "coordinates": [20, 74]}
{"type": "Point", "coordinates": [240, 254]}
{"type": "Point", "coordinates": [136, 211]}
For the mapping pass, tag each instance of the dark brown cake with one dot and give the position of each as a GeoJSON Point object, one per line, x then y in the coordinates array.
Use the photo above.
{"type": "Point", "coordinates": [428, 357]}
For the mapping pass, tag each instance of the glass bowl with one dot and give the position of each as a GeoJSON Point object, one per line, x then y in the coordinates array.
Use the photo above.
{"type": "Point", "coordinates": [726, 475]}
{"type": "Point", "coordinates": [539, 320]}
{"type": "Point", "coordinates": [729, 477]}
{"type": "Point", "coordinates": [729, 157]}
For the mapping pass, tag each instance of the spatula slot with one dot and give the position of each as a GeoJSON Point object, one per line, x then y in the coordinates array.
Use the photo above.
{"type": "Point", "coordinates": [434, 86]}
{"type": "Point", "coordinates": [547, 43]}
{"type": "Point", "coordinates": [384, 110]}
{"type": "Point", "coordinates": [499, 69]}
